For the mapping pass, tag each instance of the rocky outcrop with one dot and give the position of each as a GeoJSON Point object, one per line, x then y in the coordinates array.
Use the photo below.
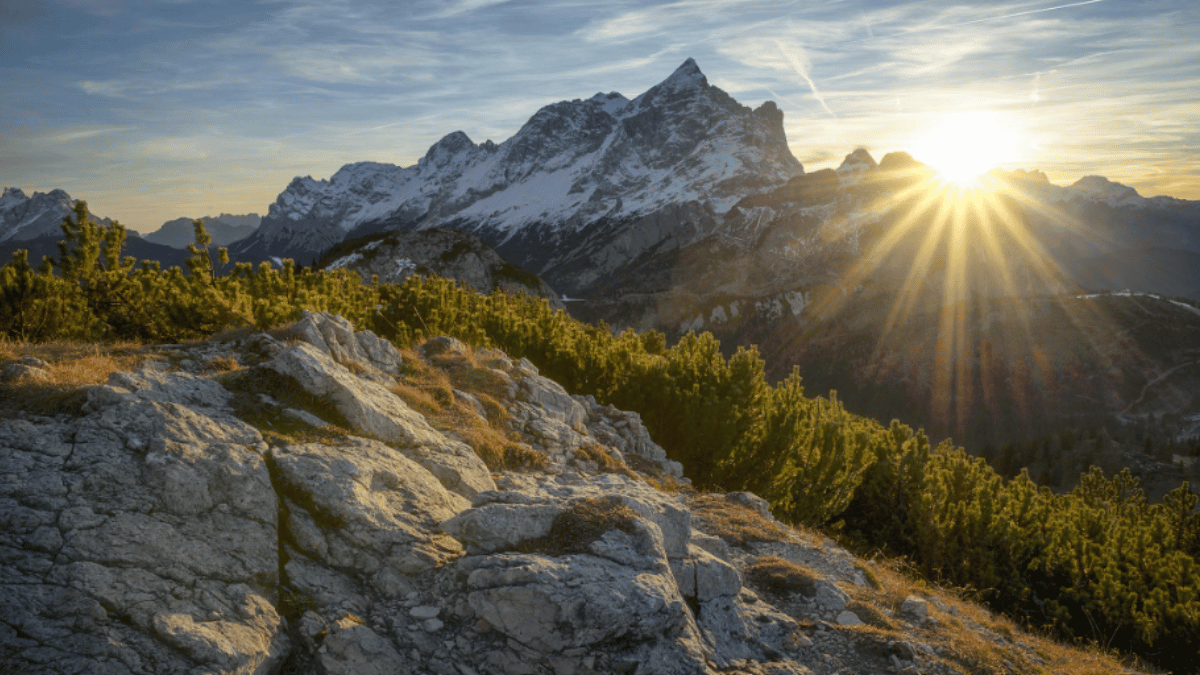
{"type": "Point", "coordinates": [296, 515]}
{"type": "Point", "coordinates": [579, 192]}
{"type": "Point", "coordinates": [393, 257]}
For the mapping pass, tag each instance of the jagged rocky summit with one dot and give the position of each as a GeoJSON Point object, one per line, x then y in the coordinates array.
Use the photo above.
{"type": "Point", "coordinates": [392, 257]}
{"type": "Point", "coordinates": [581, 188]}
{"type": "Point", "coordinates": [295, 514]}
{"type": "Point", "coordinates": [25, 217]}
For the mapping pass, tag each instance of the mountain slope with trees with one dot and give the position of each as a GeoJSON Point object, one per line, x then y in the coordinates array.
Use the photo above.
{"type": "Point", "coordinates": [1098, 563]}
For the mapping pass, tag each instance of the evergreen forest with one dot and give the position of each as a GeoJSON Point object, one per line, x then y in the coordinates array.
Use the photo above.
{"type": "Point", "coordinates": [1098, 564]}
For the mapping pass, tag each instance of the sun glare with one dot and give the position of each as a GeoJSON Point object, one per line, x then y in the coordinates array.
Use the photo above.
{"type": "Point", "coordinates": [965, 145]}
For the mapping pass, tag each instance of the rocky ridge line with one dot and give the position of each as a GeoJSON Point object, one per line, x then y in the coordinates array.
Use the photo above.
{"type": "Point", "coordinates": [159, 531]}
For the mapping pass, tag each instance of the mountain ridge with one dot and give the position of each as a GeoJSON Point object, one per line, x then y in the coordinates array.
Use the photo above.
{"type": "Point", "coordinates": [288, 502]}
{"type": "Point", "coordinates": [572, 165]}
{"type": "Point", "coordinates": [40, 214]}
{"type": "Point", "coordinates": [223, 229]}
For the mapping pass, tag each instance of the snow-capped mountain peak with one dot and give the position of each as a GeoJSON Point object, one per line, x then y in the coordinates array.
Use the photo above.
{"type": "Point", "coordinates": [1102, 189]}
{"type": "Point", "coordinates": [27, 217]}
{"type": "Point", "coordinates": [686, 76]}
{"type": "Point", "coordinates": [571, 165]}
{"type": "Point", "coordinates": [612, 103]}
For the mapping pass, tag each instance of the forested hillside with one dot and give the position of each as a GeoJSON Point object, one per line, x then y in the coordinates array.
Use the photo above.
{"type": "Point", "coordinates": [1099, 563]}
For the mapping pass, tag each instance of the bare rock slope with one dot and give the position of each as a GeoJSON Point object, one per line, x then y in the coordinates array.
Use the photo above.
{"type": "Point", "coordinates": [307, 511]}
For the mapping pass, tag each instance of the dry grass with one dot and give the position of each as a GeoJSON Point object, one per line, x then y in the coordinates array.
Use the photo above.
{"type": "Point", "coordinates": [583, 522]}
{"type": "Point", "coordinates": [470, 373]}
{"type": "Point", "coordinates": [659, 481]}
{"type": "Point", "coordinates": [970, 638]}
{"type": "Point", "coordinates": [73, 368]}
{"type": "Point", "coordinates": [220, 364]}
{"type": "Point", "coordinates": [779, 577]}
{"type": "Point", "coordinates": [604, 459]}
{"type": "Point", "coordinates": [734, 522]}
{"type": "Point", "coordinates": [429, 390]}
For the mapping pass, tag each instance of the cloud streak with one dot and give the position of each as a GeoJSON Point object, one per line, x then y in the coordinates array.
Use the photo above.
{"type": "Point", "coordinates": [799, 60]}
{"type": "Point", "coordinates": [222, 103]}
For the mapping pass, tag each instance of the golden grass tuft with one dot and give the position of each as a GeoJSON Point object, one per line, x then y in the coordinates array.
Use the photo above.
{"type": "Point", "coordinates": [604, 459]}
{"type": "Point", "coordinates": [428, 388]}
{"type": "Point", "coordinates": [73, 368]}
{"type": "Point", "coordinates": [468, 372]}
{"type": "Point", "coordinates": [733, 522]}
{"type": "Point", "coordinates": [220, 364]}
{"type": "Point", "coordinates": [779, 577]}
{"type": "Point", "coordinates": [583, 522]}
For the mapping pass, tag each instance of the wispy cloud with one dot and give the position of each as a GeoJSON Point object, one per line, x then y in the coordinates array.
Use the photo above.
{"type": "Point", "coordinates": [180, 95]}
{"type": "Point", "coordinates": [799, 60]}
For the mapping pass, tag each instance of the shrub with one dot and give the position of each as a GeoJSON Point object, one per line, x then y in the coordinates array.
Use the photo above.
{"type": "Point", "coordinates": [780, 577]}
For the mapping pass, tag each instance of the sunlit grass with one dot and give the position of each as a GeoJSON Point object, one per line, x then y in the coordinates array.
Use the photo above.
{"type": "Point", "coordinates": [72, 367]}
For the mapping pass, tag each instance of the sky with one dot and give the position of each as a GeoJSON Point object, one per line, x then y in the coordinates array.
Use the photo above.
{"type": "Point", "coordinates": [157, 109]}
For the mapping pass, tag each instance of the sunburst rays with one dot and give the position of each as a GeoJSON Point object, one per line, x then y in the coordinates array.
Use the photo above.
{"type": "Point", "coordinates": [953, 259]}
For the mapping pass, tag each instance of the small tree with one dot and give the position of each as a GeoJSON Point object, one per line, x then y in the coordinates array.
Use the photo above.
{"type": "Point", "coordinates": [90, 260]}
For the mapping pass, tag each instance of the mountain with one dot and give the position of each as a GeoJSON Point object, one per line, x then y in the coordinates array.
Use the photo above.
{"type": "Point", "coordinates": [313, 500]}
{"type": "Point", "coordinates": [1168, 271]}
{"type": "Point", "coordinates": [34, 224]}
{"type": "Point", "coordinates": [1094, 224]}
{"type": "Point", "coordinates": [224, 230]}
{"type": "Point", "coordinates": [580, 190]}
{"type": "Point", "coordinates": [993, 318]}
{"type": "Point", "coordinates": [392, 257]}
{"type": "Point", "coordinates": [683, 210]}
{"type": "Point", "coordinates": [23, 218]}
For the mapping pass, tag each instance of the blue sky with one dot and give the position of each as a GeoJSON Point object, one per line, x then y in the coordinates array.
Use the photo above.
{"type": "Point", "coordinates": [156, 109]}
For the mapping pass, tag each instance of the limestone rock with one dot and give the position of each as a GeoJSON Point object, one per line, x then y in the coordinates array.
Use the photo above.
{"type": "Point", "coordinates": [848, 619]}
{"type": "Point", "coordinates": [705, 577]}
{"type": "Point", "coordinates": [21, 372]}
{"type": "Point", "coordinates": [625, 432]}
{"type": "Point", "coordinates": [673, 518]}
{"type": "Point", "coordinates": [354, 649]}
{"type": "Point", "coordinates": [915, 608]}
{"type": "Point", "coordinates": [147, 543]}
{"type": "Point", "coordinates": [371, 409]}
{"type": "Point", "coordinates": [336, 336]}
{"type": "Point", "coordinates": [740, 631]}
{"type": "Point", "coordinates": [364, 506]}
{"type": "Point", "coordinates": [552, 605]}
{"type": "Point", "coordinates": [501, 527]}
{"type": "Point", "coordinates": [829, 597]}
{"type": "Point", "coordinates": [157, 532]}
{"type": "Point", "coordinates": [152, 383]}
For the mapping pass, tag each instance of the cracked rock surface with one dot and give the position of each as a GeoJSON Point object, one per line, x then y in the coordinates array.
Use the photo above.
{"type": "Point", "coordinates": [181, 523]}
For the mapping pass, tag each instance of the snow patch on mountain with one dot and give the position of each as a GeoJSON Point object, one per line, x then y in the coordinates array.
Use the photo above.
{"type": "Point", "coordinates": [23, 217]}
{"type": "Point", "coordinates": [571, 164]}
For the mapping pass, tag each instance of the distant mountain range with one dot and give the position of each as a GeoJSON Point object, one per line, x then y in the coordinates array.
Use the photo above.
{"type": "Point", "coordinates": [579, 190]}
{"type": "Point", "coordinates": [25, 217]}
{"type": "Point", "coordinates": [682, 209]}
{"type": "Point", "coordinates": [224, 230]}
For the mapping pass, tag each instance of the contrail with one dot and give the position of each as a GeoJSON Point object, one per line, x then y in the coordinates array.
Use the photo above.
{"type": "Point", "coordinates": [1028, 11]}
{"type": "Point", "coordinates": [802, 68]}
{"type": "Point", "coordinates": [974, 21]}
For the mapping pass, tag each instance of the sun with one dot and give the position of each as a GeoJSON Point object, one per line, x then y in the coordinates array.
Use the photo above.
{"type": "Point", "coordinates": [962, 146]}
